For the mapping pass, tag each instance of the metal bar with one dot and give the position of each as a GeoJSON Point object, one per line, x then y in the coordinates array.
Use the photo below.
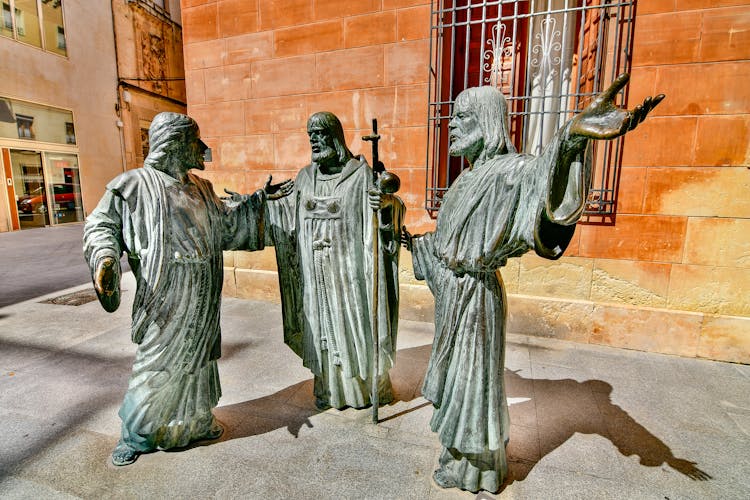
{"type": "Point", "coordinates": [453, 50]}
{"type": "Point", "coordinates": [481, 45]}
{"type": "Point", "coordinates": [431, 74]}
{"type": "Point", "coordinates": [514, 57]}
{"type": "Point", "coordinates": [467, 48]}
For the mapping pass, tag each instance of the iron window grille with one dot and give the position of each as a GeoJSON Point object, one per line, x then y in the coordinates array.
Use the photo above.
{"type": "Point", "coordinates": [549, 58]}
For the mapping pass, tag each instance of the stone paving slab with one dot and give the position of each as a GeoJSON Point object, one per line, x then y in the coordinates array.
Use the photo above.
{"type": "Point", "coordinates": [587, 421]}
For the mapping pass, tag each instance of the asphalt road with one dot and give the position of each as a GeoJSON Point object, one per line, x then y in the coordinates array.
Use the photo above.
{"type": "Point", "coordinates": [36, 262]}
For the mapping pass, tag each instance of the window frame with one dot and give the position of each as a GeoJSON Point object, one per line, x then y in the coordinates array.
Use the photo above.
{"type": "Point", "coordinates": [42, 36]}
{"type": "Point", "coordinates": [609, 24]}
{"type": "Point", "coordinates": [42, 145]}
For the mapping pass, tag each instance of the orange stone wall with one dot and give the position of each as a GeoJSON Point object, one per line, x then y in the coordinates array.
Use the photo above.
{"type": "Point", "coordinates": [257, 69]}
{"type": "Point", "coordinates": [672, 275]}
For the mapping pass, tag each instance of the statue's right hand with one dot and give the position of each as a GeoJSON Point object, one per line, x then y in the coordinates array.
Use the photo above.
{"type": "Point", "coordinates": [236, 197]}
{"type": "Point", "coordinates": [406, 238]}
{"type": "Point", "coordinates": [105, 281]}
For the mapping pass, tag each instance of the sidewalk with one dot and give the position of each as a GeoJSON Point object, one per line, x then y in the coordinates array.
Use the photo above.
{"type": "Point", "coordinates": [587, 421]}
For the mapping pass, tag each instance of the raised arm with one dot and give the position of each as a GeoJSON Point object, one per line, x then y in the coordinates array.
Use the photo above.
{"type": "Point", "coordinates": [568, 155]}
{"type": "Point", "coordinates": [603, 120]}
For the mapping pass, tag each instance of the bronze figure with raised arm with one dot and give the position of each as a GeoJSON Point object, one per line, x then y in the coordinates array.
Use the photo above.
{"type": "Point", "coordinates": [503, 205]}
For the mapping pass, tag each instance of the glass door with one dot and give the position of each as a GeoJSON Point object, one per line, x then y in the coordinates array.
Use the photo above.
{"type": "Point", "coordinates": [30, 188]}
{"type": "Point", "coordinates": [64, 188]}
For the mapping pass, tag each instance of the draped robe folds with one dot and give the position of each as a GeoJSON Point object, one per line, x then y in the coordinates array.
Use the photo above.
{"type": "Point", "coordinates": [502, 208]}
{"type": "Point", "coordinates": [324, 251]}
{"type": "Point", "coordinates": [174, 235]}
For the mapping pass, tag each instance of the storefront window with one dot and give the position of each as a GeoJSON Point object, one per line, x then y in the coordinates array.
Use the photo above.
{"type": "Point", "coordinates": [25, 120]}
{"type": "Point", "coordinates": [64, 187]}
{"type": "Point", "coordinates": [47, 188]}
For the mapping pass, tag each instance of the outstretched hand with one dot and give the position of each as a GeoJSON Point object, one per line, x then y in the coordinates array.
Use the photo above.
{"type": "Point", "coordinates": [280, 190]}
{"type": "Point", "coordinates": [603, 120]}
{"type": "Point", "coordinates": [406, 238]}
{"type": "Point", "coordinates": [236, 197]}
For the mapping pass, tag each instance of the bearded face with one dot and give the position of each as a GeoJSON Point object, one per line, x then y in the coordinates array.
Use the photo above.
{"type": "Point", "coordinates": [321, 143]}
{"type": "Point", "coordinates": [464, 132]}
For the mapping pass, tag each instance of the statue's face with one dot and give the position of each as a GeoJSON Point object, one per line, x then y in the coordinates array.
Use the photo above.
{"type": "Point", "coordinates": [321, 143]}
{"type": "Point", "coordinates": [194, 150]}
{"type": "Point", "coordinates": [463, 131]}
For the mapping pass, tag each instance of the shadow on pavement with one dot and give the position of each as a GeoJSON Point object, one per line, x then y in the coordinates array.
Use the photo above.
{"type": "Point", "coordinates": [558, 409]}
{"type": "Point", "coordinates": [566, 407]}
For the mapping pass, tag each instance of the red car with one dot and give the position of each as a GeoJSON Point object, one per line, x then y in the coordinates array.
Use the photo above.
{"type": "Point", "coordinates": [65, 198]}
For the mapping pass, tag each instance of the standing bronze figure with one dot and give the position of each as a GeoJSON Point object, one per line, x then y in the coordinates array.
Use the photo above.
{"type": "Point", "coordinates": [504, 205]}
{"type": "Point", "coordinates": [173, 228]}
{"type": "Point", "coordinates": [324, 236]}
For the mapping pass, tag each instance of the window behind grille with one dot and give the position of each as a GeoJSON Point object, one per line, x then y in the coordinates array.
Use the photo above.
{"type": "Point", "coordinates": [549, 57]}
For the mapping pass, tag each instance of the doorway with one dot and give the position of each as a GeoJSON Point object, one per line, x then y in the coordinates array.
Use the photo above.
{"type": "Point", "coordinates": [30, 186]}
{"type": "Point", "coordinates": [47, 188]}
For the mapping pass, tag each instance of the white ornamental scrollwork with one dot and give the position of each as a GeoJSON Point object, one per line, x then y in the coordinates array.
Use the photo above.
{"type": "Point", "coordinates": [500, 51]}
{"type": "Point", "coordinates": [546, 53]}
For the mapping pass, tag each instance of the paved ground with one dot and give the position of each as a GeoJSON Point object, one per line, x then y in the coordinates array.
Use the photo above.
{"type": "Point", "coordinates": [39, 261]}
{"type": "Point", "coordinates": [587, 422]}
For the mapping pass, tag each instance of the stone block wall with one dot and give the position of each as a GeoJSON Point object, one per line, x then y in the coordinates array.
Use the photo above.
{"type": "Point", "coordinates": [257, 69]}
{"type": "Point", "coordinates": [671, 275]}
{"type": "Point", "coordinates": [680, 241]}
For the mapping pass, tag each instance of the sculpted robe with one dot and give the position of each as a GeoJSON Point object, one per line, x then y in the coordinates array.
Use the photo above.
{"type": "Point", "coordinates": [324, 251]}
{"type": "Point", "coordinates": [505, 206]}
{"type": "Point", "coordinates": [174, 235]}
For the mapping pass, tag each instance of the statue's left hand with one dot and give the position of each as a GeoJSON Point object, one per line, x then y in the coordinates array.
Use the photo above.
{"type": "Point", "coordinates": [603, 120]}
{"type": "Point", "coordinates": [280, 190]}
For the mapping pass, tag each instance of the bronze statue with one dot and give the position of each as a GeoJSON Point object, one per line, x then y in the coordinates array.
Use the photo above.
{"type": "Point", "coordinates": [323, 236]}
{"type": "Point", "coordinates": [173, 228]}
{"type": "Point", "coordinates": [504, 205]}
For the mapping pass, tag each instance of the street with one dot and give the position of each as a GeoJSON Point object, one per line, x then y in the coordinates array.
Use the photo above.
{"type": "Point", "coordinates": [41, 261]}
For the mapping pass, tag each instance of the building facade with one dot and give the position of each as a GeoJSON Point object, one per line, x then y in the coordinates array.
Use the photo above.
{"type": "Point", "coordinates": [151, 74]}
{"type": "Point", "coordinates": [80, 83]}
{"type": "Point", "coordinates": [662, 268]}
{"type": "Point", "coordinates": [58, 135]}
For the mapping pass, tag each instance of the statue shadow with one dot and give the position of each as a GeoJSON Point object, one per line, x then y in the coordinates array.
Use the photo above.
{"type": "Point", "coordinates": [555, 410]}
{"type": "Point", "coordinates": [287, 408]}
{"type": "Point", "coordinates": [293, 406]}
{"type": "Point", "coordinates": [545, 413]}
